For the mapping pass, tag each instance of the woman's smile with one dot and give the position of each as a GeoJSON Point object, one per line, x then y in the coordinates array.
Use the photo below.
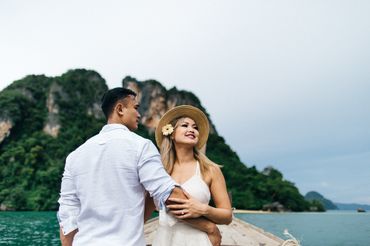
{"type": "Point", "coordinates": [190, 135]}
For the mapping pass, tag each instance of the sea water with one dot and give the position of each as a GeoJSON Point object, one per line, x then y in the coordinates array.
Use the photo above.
{"type": "Point", "coordinates": [338, 228]}
{"type": "Point", "coordinates": [333, 228]}
{"type": "Point", "coordinates": [29, 228]}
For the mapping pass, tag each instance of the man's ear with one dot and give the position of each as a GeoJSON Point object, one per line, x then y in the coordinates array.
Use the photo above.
{"type": "Point", "coordinates": [120, 108]}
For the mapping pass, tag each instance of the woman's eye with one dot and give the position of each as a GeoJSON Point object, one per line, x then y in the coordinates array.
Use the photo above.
{"type": "Point", "coordinates": [184, 125]}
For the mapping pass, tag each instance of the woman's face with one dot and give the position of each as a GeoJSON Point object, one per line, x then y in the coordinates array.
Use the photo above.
{"type": "Point", "coordinates": [186, 132]}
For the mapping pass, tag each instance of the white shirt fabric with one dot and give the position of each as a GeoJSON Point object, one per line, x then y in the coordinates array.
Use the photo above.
{"type": "Point", "coordinates": [103, 187]}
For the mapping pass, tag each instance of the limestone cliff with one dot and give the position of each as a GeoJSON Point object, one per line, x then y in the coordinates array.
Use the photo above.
{"type": "Point", "coordinates": [45, 102]}
{"type": "Point", "coordinates": [52, 124]}
{"type": "Point", "coordinates": [5, 126]}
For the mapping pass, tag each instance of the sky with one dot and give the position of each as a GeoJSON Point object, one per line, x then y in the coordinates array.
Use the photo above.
{"type": "Point", "coordinates": [286, 82]}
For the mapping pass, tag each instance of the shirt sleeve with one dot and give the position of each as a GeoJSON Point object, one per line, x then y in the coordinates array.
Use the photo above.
{"type": "Point", "coordinates": [69, 204]}
{"type": "Point", "coordinates": [153, 176]}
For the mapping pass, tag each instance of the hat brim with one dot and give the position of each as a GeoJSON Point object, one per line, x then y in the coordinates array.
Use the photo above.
{"type": "Point", "coordinates": [185, 111]}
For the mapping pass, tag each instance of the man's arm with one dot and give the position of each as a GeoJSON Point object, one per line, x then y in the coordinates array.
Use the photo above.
{"type": "Point", "coordinates": [69, 206]}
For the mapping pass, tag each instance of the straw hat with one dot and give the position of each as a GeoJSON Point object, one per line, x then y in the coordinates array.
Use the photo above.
{"type": "Point", "coordinates": [184, 111]}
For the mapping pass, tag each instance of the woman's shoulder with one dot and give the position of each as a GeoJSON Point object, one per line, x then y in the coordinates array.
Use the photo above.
{"type": "Point", "coordinates": [214, 168]}
{"type": "Point", "coordinates": [214, 172]}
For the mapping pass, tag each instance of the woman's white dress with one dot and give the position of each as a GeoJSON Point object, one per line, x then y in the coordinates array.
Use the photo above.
{"type": "Point", "coordinates": [172, 232]}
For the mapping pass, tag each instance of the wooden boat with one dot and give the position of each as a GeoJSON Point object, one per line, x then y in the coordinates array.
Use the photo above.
{"type": "Point", "coordinates": [238, 233]}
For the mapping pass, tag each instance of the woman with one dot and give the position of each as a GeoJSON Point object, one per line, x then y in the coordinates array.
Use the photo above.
{"type": "Point", "coordinates": [181, 134]}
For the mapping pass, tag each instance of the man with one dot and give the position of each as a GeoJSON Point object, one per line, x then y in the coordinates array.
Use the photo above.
{"type": "Point", "coordinates": [105, 179]}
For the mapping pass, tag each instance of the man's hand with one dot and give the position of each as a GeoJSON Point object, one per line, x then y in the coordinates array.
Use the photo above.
{"type": "Point", "coordinates": [66, 240]}
{"type": "Point", "coordinates": [215, 237]}
{"type": "Point", "coordinates": [187, 208]}
{"type": "Point", "coordinates": [200, 223]}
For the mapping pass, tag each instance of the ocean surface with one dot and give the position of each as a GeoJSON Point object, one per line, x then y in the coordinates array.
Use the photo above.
{"type": "Point", "coordinates": [333, 228]}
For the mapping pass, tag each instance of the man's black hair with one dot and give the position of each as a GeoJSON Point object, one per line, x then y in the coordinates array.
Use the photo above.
{"type": "Point", "coordinates": [111, 97]}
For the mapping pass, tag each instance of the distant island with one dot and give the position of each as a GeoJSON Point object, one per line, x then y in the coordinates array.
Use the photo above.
{"type": "Point", "coordinates": [315, 197]}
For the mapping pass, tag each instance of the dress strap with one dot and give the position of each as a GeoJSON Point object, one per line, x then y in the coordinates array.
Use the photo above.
{"type": "Point", "coordinates": [197, 169]}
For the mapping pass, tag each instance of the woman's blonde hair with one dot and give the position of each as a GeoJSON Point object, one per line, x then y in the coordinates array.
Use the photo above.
{"type": "Point", "coordinates": [168, 152]}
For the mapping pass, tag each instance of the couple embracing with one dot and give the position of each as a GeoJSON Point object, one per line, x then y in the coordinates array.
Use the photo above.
{"type": "Point", "coordinates": [113, 182]}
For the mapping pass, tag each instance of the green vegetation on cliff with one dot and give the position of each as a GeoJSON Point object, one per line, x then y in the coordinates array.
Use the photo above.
{"type": "Point", "coordinates": [31, 161]}
{"type": "Point", "coordinates": [45, 118]}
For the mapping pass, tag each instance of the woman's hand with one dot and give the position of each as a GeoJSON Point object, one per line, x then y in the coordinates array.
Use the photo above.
{"type": "Point", "coordinates": [187, 208]}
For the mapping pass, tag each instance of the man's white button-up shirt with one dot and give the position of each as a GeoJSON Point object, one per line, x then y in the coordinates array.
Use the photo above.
{"type": "Point", "coordinates": [103, 187]}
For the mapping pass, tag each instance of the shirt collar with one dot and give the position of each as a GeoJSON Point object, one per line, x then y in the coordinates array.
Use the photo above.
{"type": "Point", "coordinates": [111, 127]}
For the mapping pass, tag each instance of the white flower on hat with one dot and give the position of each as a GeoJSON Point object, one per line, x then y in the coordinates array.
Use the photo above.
{"type": "Point", "coordinates": [167, 130]}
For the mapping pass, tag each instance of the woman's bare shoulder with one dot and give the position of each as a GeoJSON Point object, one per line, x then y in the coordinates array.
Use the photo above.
{"type": "Point", "coordinates": [215, 172]}
{"type": "Point", "coordinates": [214, 168]}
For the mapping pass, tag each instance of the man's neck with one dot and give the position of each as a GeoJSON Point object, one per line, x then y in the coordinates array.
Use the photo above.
{"type": "Point", "coordinates": [114, 121]}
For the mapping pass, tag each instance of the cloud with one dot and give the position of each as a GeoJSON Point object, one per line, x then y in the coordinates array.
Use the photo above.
{"type": "Point", "coordinates": [324, 184]}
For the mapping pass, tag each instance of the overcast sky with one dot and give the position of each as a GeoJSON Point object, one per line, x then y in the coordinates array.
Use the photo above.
{"type": "Point", "coordinates": [287, 83]}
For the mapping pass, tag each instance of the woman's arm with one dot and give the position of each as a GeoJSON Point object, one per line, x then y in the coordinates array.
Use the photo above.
{"type": "Point", "coordinates": [201, 223]}
{"type": "Point", "coordinates": [191, 208]}
{"type": "Point", "coordinates": [207, 226]}
{"type": "Point", "coordinates": [149, 207]}
{"type": "Point", "coordinates": [222, 213]}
